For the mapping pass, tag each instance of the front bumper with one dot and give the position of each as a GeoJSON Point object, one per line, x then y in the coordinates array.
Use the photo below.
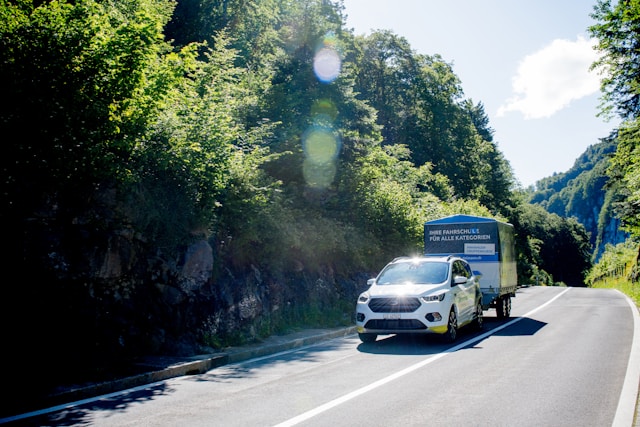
{"type": "Point", "coordinates": [413, 317]}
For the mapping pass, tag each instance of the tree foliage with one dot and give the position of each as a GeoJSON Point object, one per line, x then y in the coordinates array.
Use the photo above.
{"type": "Point", "coordinates": [77, 91]}
{"type": "Point", "coordinates": [420, 104]}
{"type": "Point", "coordinates": [159, 124]}
{"type": "Point", "coordinates": [625, 172]}
{"type": "Point", "coordinates": [220, 135]}
{"type": "Point", "coordinates": [587, 193]}
{"type": "Point", "coordinates": [618, 34]}
{"type": "Point", "coordinates": [119, 107]}
{"type": "Point", "coordinates": [115, 108]}
{"type": "Point", "coordinates": [551, 244]}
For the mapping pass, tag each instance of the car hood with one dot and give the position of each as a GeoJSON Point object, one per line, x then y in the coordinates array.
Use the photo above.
{"type": "Point", "coordinates": [405, 289]}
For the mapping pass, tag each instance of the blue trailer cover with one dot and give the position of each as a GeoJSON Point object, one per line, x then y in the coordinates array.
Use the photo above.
{"type": "Point", "coordinates": [486, 244]}
{"type": "Point", "coordinates": [475, 238]}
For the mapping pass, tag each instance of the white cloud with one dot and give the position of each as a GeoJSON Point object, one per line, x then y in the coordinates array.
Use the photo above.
{"type": "Point", "coordinates": [548, 80]}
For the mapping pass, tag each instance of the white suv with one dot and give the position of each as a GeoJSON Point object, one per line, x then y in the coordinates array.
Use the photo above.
{"type": "Point", "coordinates": [420, 295]}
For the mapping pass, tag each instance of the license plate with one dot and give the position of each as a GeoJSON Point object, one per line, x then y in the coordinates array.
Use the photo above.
{"type": "Point", "coordinates": [391, 316]}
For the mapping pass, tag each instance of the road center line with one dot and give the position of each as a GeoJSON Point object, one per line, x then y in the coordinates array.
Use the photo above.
{"type": "Point", "coordinates": [349, 396]}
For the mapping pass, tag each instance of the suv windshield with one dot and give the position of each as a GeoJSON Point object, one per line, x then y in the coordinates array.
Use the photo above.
{"type": "Point", "coordinates": [414, 273]}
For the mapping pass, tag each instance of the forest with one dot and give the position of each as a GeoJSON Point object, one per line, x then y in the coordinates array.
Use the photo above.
{"type": "Point", "coordinates": [296, 156]}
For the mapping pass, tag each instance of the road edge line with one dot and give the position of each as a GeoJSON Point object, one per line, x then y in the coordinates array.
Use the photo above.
{"type": "Point", "coordinates": [628, 400]}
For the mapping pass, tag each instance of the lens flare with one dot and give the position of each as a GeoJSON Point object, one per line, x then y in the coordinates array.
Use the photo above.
{"type": "Point", "coordinates": [330, 40]}
{"type": "Point", "coordinates": [323, 111]}
{"type": "Point", "coordinates": [327, 65]}
{"type": "Point", "coordinates": [320, 145]}
{"type": "Point", "coordinates": [318, 175]}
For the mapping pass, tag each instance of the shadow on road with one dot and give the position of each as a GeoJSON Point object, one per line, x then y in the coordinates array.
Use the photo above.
{"type": "Point", "coordinates": [82, 414]}
{"type": "Point", "coordinates": [421, 344]}
{"type": "Point", "coordinates": [404, 344]}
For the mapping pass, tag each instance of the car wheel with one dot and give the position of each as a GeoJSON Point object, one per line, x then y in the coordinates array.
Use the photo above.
{"type": "Point", "coordinates": [367, 338]}
{"type": "Point", "coordinates": [452, 327]}
{"type": "Point", "coordinates": [479, 320]}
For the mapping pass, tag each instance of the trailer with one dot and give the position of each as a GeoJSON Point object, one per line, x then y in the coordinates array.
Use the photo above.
{"type": "Point", "coordinates": [488, 245]}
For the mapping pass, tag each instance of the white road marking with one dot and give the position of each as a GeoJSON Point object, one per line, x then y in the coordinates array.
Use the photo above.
{"type": "Point", "coordinates": [624, 413]}
{"type": "Point", "coordinates": [629, 394]}
{"type": "Point", "coordinates": [349, 396]}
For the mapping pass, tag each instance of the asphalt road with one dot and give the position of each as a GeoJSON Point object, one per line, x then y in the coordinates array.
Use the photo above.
{"type": "Point", "coordinates": [566, 357]}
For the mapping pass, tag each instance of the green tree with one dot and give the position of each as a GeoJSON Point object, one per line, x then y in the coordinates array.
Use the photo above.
{"type": "Point", "coordinates": [386, 70]}
{"type": "Point", "coordinates": [76, 93]}
{"type": "Point", "coordinates": [618, 34]}
{"type": "Point", "coordinates": [389, 195]}
{"type": "Point", "coordinates": [414, 96]}
{"type": "Point", "coordinates": [550, 244]}
{"type": "Point", "coordinates": [625, 172]}
{"type": "Point", "coordinates": [84, 81]}
{"type": "Point", "coordinates": [324, 128]}
{"type": "Point", "coordinates": [181, 163]}
{"type": "Point", "coordinates": [115, 136]}
{"type": "Point", "coordinates": [419, 103]}
{"type": "Point", "coordinates": [587, 193]}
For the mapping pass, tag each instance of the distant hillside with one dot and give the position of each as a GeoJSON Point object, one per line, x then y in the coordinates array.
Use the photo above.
{"type": "Point", "coordinates": [582, 192]}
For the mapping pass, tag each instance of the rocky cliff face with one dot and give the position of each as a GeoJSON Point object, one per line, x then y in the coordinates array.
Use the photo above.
{"type": "Point", "coordinates": [583, 193]}
{"type": "Point", "coordinates": [95, 298]}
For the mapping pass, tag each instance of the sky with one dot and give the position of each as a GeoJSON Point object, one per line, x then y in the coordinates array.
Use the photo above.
{"type": "Point", "coordinates": [526, 61]}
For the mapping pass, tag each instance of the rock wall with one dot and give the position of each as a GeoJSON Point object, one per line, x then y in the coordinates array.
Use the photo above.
{"type": "Point", "coordinates": [102, 298]}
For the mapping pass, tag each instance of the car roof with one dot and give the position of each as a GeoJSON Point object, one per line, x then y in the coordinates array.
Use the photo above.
{"type": "Point", "coordinates": [425, 258]}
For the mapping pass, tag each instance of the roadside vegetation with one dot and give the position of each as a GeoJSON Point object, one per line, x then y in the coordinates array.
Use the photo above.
{"type": "Point", "coordinates": [618, 269]}
{"type": "Point", "coordinates": [303, 155]}
{"type": "Point", "coordinates": [618, 32]}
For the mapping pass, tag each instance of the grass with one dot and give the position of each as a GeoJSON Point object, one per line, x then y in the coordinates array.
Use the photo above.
{"type": "Point", "coordinates": [631, 289]}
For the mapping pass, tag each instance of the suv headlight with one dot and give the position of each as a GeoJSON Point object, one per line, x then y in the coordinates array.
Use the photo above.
{"type": "Point", "coordinates": [433, 298]}
{"type": "Point", "coordinates": [363, 298]}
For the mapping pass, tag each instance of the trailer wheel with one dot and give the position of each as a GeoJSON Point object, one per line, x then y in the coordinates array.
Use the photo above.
{"type": "Point", "coordinates": [507, 306]}
{"type": "Point", "coordinates": [503, 307]}
{"type": "Point", "coordinates": [452, 327]}
{"type": "Point", "coordinates": [367, 338]}
{"type": "Point", "coordinates": [499, 308]}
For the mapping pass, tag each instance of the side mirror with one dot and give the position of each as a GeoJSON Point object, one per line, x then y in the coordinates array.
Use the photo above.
{"type": "Point", "coordinates": [459, 280]}
{"type": "Point", "coordinates": [371, 282]}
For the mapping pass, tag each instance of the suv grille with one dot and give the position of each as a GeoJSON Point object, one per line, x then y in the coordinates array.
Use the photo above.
{"type": "Point", "coordinates": [394, 305]}
{"type": "Point", "coordinates": [395, 324]}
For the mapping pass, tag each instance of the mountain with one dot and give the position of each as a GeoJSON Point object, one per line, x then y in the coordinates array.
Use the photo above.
{"type": "Point", "coordinates": [583, 193]}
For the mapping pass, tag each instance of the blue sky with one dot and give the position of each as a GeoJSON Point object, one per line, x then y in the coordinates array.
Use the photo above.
{"type": "Point", "coordinates": [527, 61]}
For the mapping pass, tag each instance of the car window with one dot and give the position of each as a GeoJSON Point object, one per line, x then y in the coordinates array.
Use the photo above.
{"type": "Point", "coordinates": [468, 268]}
{"type": "Point", "coordinates": [414, 273]}
{"type": "Point", "coordinates": [459, 269]}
